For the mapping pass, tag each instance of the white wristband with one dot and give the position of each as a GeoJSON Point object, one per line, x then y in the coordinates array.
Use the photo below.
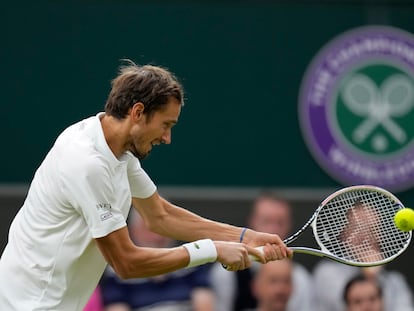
{"type": "Point", "coordinates": [201, 252]}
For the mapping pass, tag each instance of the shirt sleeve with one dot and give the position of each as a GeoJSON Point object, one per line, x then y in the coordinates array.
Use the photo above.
{"type": "Point", "coordinates": [140, 183]}
{"type": "Point", "coordinates": [92, 194]}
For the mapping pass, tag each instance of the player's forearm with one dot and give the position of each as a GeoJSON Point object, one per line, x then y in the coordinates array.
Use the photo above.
{"type": "Point", "coordinates": [131, 261]}
{"type": "Point", "coordinates": [160, 261]}
{"type": "Point", "coordinates": [166, 219]}
{"type": "Point", "coordinates": [184, 225]}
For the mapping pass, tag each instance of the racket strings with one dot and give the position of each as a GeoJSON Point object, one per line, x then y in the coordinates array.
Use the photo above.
{"type": "Point", "coordinates": [358, 226]}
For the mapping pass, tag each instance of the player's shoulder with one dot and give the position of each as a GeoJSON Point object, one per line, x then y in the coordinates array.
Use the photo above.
{"type": "Point", "coordinates": [78, 135]}
{"type": "Point", "coordinates": [79, 148]}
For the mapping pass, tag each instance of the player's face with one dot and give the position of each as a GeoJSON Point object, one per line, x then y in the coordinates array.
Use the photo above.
{"type": "Point", "coordinates": [155, 130]}
{"type": "Point", "coordinates": [364, 296]}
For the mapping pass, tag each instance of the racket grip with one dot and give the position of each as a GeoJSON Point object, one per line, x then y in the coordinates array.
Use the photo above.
{"type": "Point", "coordinates": [259, 248]}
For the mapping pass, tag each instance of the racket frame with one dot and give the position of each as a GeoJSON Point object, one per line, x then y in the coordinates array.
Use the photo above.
{"type": "Point", "coordinates": [323, 252]}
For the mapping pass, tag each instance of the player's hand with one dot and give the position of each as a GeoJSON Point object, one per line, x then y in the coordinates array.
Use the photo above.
{"type": "Point", "coordinates": [274, 248]}
{"type": "Point", "coordinates": [235, 256]}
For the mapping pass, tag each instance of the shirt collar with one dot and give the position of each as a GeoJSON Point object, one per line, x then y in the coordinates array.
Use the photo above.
{"type": "Point", "coordinates": [101, 143]}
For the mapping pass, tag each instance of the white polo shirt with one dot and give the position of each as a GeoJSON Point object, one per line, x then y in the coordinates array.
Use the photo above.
{"type": "Point", "coordinates": [81, 191]}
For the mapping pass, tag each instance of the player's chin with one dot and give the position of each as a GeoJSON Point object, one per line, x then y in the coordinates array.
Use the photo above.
{"type": "Point", "coordinates": [141, 155]}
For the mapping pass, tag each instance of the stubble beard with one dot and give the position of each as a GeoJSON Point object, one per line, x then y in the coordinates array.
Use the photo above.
{"type": "Point", "coordinates": [140, 155]}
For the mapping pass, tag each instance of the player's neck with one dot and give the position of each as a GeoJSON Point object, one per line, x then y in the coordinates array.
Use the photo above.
{"type": "Point", "coordinates": [115, 132]}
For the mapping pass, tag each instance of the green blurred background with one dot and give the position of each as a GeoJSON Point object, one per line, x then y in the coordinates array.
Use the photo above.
{"type": "Point", "coordinates": [241, 63]}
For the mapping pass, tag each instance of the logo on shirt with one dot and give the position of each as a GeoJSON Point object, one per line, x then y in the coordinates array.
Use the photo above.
{"type": "Point", "coordinates": [103, 206]}
{"type": "Point", "coordinates": [106, 216]}
{"type": "Point", "coordinates": [357, 107]}
{"type": "Point", "coordinates": [105, 210]}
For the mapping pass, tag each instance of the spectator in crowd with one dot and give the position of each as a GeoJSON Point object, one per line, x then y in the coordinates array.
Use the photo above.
{"type": "Point", "coordinates": [363, 294]}
{"type": "Point", "coordinates": [360, 235]}
{"type": "Point", "coordinates": [183, 290]}
{"type": "Point", "coordinates": [272, 286]}
{"type": "Point", "coordinates": [330, 279]}
{"type": "Point", "coordinates": [273, 214]}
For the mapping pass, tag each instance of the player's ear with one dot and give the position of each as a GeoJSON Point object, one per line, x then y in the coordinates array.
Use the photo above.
{"type": "Point", "coordinates": [137, 111]}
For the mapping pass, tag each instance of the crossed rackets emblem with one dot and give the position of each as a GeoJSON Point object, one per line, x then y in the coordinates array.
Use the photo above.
{"type": "Point", "coordinates": [379, 106]}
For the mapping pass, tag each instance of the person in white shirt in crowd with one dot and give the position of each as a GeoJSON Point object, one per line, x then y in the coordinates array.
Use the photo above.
{"type": "Point", "coordinates": [330, 279]}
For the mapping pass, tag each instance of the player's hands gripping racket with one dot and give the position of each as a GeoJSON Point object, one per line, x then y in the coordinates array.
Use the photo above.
{"type": "Point", "coordinates": [355, 226]}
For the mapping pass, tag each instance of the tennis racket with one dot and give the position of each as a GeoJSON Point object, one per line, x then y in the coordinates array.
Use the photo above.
{"type": "Point", "coordinates": [355, 226]}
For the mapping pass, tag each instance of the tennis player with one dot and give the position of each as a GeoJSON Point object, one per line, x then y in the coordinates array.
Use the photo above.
{"type": "Point", "coordinates": [73, 221]}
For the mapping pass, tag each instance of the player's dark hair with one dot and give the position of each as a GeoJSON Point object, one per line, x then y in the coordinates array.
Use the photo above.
{"type": "Point", "coordinates": [359, 278]}
{"type": "Point", "coordinates": [153, 86]}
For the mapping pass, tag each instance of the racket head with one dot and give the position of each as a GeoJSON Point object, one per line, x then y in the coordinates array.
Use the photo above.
{"type": "Point", "coordinates": [356, 226]}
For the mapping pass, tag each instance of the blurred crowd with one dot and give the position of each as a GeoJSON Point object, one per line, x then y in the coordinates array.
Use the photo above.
{"type": "Point", "coordinates": [284, 285]}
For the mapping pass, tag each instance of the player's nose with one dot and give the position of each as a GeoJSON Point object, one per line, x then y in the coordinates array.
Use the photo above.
{"type": "Point", "coordinates": [166, 138]}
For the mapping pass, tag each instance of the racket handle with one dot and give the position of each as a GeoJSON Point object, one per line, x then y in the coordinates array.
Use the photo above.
{"type": "Point", "coordinates": [259, 248]}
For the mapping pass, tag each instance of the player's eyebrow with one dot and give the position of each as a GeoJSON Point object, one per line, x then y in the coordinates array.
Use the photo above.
{"type": "Point", "coordinates": [171, 122]}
